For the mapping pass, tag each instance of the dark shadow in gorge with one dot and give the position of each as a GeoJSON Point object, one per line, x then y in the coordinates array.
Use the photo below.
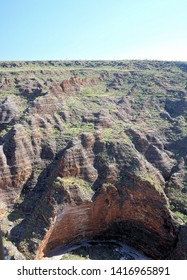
{"type": "Point", "coordinates": [34, 214]}
{"type": "Point", "coordinates": [136, 235]}
{"type": "Point", "coordinates": [99, 250]}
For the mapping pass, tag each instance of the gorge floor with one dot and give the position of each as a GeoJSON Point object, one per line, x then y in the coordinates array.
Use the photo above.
{"type": "Point", "coordinates": [97, 250]}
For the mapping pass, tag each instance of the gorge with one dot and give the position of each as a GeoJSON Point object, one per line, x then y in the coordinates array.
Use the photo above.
{"type": "Point", "coordinates": [93, 151]}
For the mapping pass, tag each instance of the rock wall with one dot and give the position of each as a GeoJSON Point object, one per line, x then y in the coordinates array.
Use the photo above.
{"type": "Point", "coordinates": [75, 84]}
{"type": "Point", "coordinates": [91, 219]}
{"type": "Point", "coordinates": [136, 200]}
{"type": "Point", "coordinates": [16, 165]}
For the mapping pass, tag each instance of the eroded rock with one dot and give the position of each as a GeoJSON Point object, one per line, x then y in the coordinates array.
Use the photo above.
{"type": "Point", "coordinates": [75, 84]}
{"type": "Point", "coordinates": [16, 165]}
{"type": "Point", "coordinates": [108, 163]}
{"type": "Point", "coordinates": [9, 111]}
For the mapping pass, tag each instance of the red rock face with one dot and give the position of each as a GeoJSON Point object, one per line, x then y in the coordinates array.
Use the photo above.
{"type": "Point", "coordinates": [6, 182]}
{"type": "Point", "coordinates": [49, 103]}
{"type": "Point", "coordinates": [80, 222]}
{"type": "Point", "coordinates": [20, 152]}
{"type": "Point", "coordinates": [101, 166]}
{"type": "Point", "coordinates": [137, 202]}
{"type": "Point", "coordinates": [75, 84]}
{"type": "Point", "coordinates": [153, 150]}
{"type": "Point", "coordinates": [16, 166]}
{"type": "Point", "coordinates": [24, 144]}
{"type": "Point", "coordinates": [77, 161]}
{"type": "Point", "coordinates": [9, 111]}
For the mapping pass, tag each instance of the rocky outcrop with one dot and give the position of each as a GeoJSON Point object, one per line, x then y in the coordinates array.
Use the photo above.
{"type": "Point", "coordinates": [16, 165]}
{"type": "Point", "coordinates": [115, 84]}
{"type": "Point", "coordinates": [153, 150]}
{"type": "Point", "coordinates": [77, 160]}
{"type": "Point", "coordinates": [108, 163]}
{"type": "Point", "coordinates": [113, 207]}
{"type": "Point", "coordinates": [6, 188]}
{"type": "Point", "coordinates": [9, 111]}
{"type": "Point", "coordinates": [180, 251]}
{"type": "Point", "coordinates": [128, 195]}
{"type": "Point", "coordinates": [49, 103]}
{"type": "Point", "coordinates": [176, 107]}
{"type": "Point", "coordinates": [103, 119]}
{"type": "Point", "coordinates": [75, 84]}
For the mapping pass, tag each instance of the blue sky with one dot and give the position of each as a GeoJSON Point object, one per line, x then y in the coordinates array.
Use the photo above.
{"type": "Point", "coordinates": [93, 29]}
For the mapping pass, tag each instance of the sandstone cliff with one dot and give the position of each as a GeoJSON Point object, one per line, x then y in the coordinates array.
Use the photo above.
{"type": "Point", "coordinates": [94, 151]}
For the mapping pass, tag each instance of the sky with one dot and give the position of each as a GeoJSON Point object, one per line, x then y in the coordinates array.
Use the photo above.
{"type": "Point", "coordinates": [93, 29]}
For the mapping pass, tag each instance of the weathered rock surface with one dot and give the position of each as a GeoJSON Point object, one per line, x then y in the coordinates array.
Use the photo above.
{"type": "Point", "coordinates": [16, 165]}
{"type": "Point", "coordinates": [179, 252]}
{"type": "Point", "coordinates": [94, 153]}
{"type": "Point", "coordinates": [134, 196]}
{"type": "Point", "coordinates": [153, 150]}
{"type": "Point", "coordinates": [111, 209]}
{"type": "Point", "coordinates": [78, 161]}
{"type": "Point", "coordinates": [9, 111]}
{"type": "Point", "coordinates": [75, 84]}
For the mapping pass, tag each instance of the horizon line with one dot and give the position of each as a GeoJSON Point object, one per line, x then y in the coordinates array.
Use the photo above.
{"type": "Point", "coordinates": [95, 60]}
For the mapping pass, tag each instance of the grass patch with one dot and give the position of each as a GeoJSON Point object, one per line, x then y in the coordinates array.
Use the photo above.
{"type": "Point", "coordinates": [115, 133]}
{"type": "Point", "coordinates": [180, 216]}
{"type": "Point", "coordinates": [67, 182]}
{"type": "Point", "coordinates": [76, 129]}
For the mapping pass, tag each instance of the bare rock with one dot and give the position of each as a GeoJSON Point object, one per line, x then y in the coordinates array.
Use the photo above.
{"type": "Point", "coordinates": [160, 160]}
{"type": "Point", "coordinates": [103, 119]}
{"type": "Point", "coordinates": [16, 164]}
{"type": "Point", "coordinates": [9, 111]}
{"type": "Point", "coordinates": [77, 160]}
{"type": "Point", "coordinates": [153, 150]}
{"type": "Point", "coordinates": [75, 84]}
{"type": "Point", "coordinates": [180, 251]}
{"type": "Point", "coordinates": [6, 188]}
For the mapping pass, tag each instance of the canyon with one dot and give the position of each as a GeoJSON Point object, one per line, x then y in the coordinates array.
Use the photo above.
{"type": "Point", "coordinates": [93, 150]}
